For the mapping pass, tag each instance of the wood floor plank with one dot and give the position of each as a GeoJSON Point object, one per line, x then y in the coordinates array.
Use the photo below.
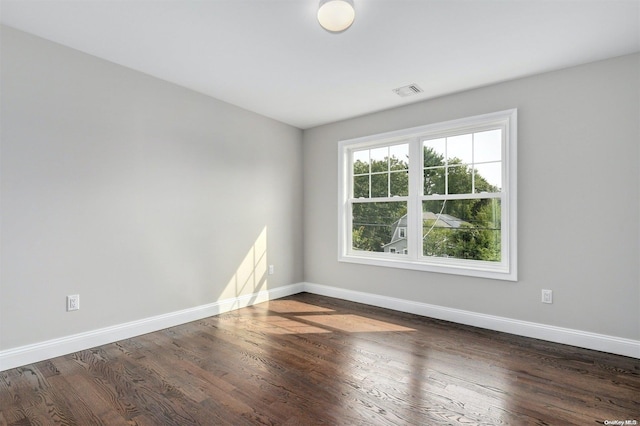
{"type": "Point", "coordinates": [106, 376]}
{"type": "Point", "coordinates": [313, 360]}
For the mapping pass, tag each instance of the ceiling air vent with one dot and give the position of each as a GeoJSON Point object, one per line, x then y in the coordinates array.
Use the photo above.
{"type": "Point", "coordinates": [409, 90]}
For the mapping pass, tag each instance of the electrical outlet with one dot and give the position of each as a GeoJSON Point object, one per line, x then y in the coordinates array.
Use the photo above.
{"type": "Point", "coordinates": [547, 296]}
{"type": "Point", "coordinates": [73, 302]}
{"type": "Point", "coordinates": [271, 269]}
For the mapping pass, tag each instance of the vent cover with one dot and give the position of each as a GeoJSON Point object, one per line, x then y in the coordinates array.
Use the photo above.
{"type": "Point", "coordinates": [412, 89]}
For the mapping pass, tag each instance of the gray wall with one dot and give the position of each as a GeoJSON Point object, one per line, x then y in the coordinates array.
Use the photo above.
{"type": "Point", "coordinates": [578, 201]}
{"type": "Point", "coordinates": [139, 195]}
{"type": "Point", "coordinates": [146, 198]}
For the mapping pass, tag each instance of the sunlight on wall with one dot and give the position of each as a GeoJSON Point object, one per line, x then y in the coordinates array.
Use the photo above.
{"type": "Point", "coordinates": [251, 275]}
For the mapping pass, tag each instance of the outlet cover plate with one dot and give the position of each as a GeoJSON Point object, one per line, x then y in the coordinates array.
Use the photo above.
{"type": "Point", "coordinates": [73, 302]}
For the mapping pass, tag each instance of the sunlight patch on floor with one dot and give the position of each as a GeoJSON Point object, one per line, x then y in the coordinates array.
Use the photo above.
{"type": "Point", "coordinates": [280, 325]}
{"type": "Point", "coordinates": [293, 306]}
{"type": "Point", "coordinates": [353, 323]}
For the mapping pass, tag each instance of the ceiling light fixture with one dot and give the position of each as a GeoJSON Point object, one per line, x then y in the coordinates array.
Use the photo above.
{"type": "Point", "coordinates": [336, 15]}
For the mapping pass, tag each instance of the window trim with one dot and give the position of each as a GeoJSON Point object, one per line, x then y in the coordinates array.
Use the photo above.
{"type": "Point", "coordinates": [506, 269]}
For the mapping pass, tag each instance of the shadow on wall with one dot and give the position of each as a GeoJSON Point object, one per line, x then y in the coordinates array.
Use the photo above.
{"type": "Point", "coordinates": [251, 276]}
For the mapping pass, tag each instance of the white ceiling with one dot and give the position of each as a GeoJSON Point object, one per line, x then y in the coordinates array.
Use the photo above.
{"type": "Point", "coordinates": [272, 57]}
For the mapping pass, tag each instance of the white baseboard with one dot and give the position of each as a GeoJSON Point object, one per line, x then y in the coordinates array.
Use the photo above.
{"type": "Point", "coordinates": [28, 354]}
{"type": "Point", "coordinates": [567, 336]}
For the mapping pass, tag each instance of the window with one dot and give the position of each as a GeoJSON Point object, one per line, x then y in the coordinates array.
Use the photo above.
{"type": "Point", "coordinates": [439, 198]}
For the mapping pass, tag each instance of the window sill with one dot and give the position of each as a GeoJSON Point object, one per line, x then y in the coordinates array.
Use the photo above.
{"type": "Point", "coordinates": [441, 265]}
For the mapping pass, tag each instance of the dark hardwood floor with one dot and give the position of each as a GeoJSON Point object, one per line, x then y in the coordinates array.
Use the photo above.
{"type": "Point", "coordinates": [307, 360]}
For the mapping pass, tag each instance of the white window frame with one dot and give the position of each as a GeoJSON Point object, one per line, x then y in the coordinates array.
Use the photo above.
{"type": "Point", "coordinates": [506, 269]}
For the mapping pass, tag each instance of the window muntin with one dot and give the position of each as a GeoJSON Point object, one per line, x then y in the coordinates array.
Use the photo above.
{"type": "Point", "coordinates": [463, 163]}
{"type": "Point", "coordinates": [437, 198]}
{"type": "Point", "coordinates": [381, 172]}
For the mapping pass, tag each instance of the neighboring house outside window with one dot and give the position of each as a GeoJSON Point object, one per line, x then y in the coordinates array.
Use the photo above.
{"type": "Point", "coordinates": [436, 198]}
{"type": "Point", "coordinates": [398, 242]}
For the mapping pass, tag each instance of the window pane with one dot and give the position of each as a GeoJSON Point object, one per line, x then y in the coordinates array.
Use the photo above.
{"type": "Point", "coordinates": [488, 177]}
{"type": "Point", "coordinates": [487, 146]}
{"type": "Point", "coordinates": [459, 148]}
{"type": "Point", "coordinates": [462, 229]}
{"type": "Point", "coordinates": [361, 186]}
{"type": "Point", "coordinates": [374, 226]}
{"type": "Point", "coordinates": [379, 159]}
{"type": "Point", "coordinates": [399, 157]}
{"type": "Point", "coordinates": [360, 162]}
{"type": "Point", "coordinates": [434, 152]}
{"type": "Point", "coordinates": [380, 185]}
{"type": "Point", "coordinates": [459, 180]}
{"type": "Point", "coordinates": [399, 184]}
{"type": "Point", "coordinates": [434, 181]}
